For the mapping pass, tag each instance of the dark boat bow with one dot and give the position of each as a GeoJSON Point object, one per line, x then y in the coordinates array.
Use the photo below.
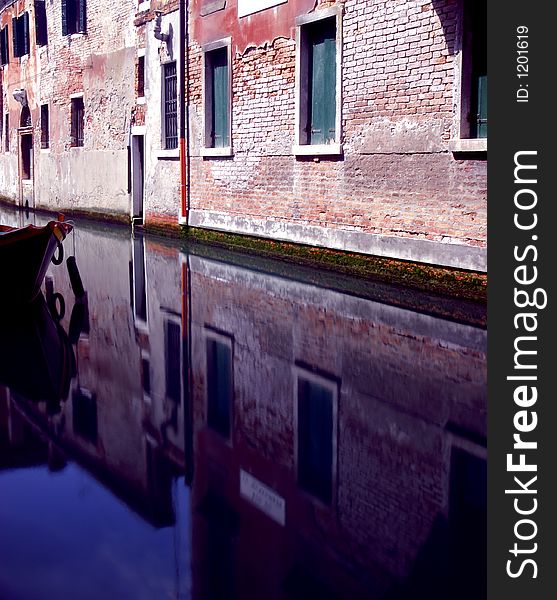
{"type": "Point", "coordinates": [25, 255]}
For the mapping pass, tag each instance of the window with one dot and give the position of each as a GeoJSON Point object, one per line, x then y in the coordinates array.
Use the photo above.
{"type": "Point", "coordinates": [318, 83]}
{"type": "Point", "coordinates": [219, 383]}
{"type": "Point", "coordinates": [84, 409]}
{"type": "Point", "coordinates": [475, 66]}
{"type": "Point", "coordinates": [217, 97]}
{"type": "Point", "coordinates": [45, 134]}
{"type": "Point", "coordinates": [4, 47]}
{"type": "Point", "coordinates": [25, 117]}
{"type": "Point", "coordinates": [172, 344]}
{"type": "Point", "coordinates": [471, 118]}
{"type": "Point", "coordinates": [138, 281]}
{"type": "Point", "coordinates": [170, 100]}
{"type": "Point", "coordinates": [146, 375]}
{"type": "Point", "coordinates": [316, 437]}
{"type": "Point", "coordinates": [78, 112]}
{"type": "Point", "coordinates": [20, 29]}
{"type": "Point", "coordinates": [140, 76]}
{"type": "Point", "coordinates": [26, 142]}
{"type": "Point", "coordinates": [6, 132]}
{"type": "Point", "coordinates": [41, 33]}
{"type": "Point", "coordinates": [74, 16]}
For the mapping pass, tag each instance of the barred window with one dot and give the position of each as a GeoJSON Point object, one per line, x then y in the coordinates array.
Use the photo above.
{"type": "Point", "coordinates": [170, 120]}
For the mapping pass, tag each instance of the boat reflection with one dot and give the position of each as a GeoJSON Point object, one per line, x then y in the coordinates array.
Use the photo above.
{"type": "Point", "coordinates": [36, 356]}
{"type": "Point", "coordinates": [333, 446]}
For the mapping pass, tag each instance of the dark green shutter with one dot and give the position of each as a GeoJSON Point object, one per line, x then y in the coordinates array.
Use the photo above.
{"type": "Point", "coordinates": [25, 27]}
{"type": "Point", "coordinates": [477, 53]}
{"type": "Point", "coordinates": [219, 68]}
{"type": "Point", "coordinates": [41, 32]}
{"type": "Point", "coordinates": [64, 17]}
{"type": "Point", "coordinates": [15, 36]}
{"type": "Point", "coordinates": [322, 41]}
{"type": "Point", "coordinates": [82, 16]}
{"type": "Point", "coordinates": [4, 48]}
{"type": "Point", "coordinates": [481, 127]}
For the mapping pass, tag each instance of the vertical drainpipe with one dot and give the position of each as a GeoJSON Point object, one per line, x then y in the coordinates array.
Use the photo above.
{"type": "Point", "coordinates": [183, 146]}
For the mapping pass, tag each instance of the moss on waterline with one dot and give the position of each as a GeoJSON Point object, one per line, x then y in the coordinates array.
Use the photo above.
{"type": "Point", "coordinates": [439, 280]}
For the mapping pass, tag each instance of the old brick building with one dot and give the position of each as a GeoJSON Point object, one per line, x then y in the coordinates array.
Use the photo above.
{"type": "Point", "coordinates": [351, 124]}
{"type": "Point", "coordinates": [347, 124]}
{"type": "Point", "coordinates": [67, 92]}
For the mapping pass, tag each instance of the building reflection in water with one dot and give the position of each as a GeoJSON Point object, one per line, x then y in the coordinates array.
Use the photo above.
{"type": "Point", "coordinates": [325, 445]}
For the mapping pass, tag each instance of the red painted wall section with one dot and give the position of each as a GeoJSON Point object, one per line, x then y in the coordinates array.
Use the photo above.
{"type": "Point", "coordinates": [252, 30]}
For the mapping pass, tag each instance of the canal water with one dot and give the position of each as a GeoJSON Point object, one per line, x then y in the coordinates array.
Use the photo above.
{"type": "Point", "coordinates": [208, 425]}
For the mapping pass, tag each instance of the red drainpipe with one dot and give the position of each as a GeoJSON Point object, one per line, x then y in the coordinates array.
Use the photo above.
{"type": "Point", "coordinates": [183, 101]}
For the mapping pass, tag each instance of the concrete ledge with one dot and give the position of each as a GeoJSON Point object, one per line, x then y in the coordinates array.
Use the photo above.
{"type": "Point", "coordinates": [168, 154]}
{"type": "Point", "coordinates": [470, 145]}
{"type": "Point", "coordinates": [424, 251]}
{"type": "Point", "coordinates": [216, 152]}
{"type": "Point", "coordinates": [317, 150]}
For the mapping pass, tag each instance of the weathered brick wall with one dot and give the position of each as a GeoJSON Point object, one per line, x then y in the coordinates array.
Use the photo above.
{"type": "Point", "coordinates": [397, 176]}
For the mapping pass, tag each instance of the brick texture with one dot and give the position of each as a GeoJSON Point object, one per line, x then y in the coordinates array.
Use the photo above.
{"type": "Point", "coordinates": [398, 87]}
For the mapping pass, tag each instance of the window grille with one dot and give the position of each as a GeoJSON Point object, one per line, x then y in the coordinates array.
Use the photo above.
{"type": "Point", "coordinates": [170, 107]}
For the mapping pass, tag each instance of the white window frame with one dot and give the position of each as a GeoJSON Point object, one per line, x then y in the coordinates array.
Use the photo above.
{"type": "Point", "coordinates": [165, 152]}
{"type": "Point", "coordinates": [461, 142]}
{"type": "Point", "coordinates": [207, 150]}
{"type": "Point", "coordinates": [333, 386]}
{"type": "Point", "coordinates": [302, 83]}
{"type": "Point", "coordinates": [210, 334]}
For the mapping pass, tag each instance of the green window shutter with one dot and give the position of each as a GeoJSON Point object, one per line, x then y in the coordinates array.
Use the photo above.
{"type": "Point", "coordinates": [41, 32]}
{"type": "Point", "coordinates": [481, 120]}
{"type": "Point", "coordinates": [15, 36]}
{"type": "Point", "coordinates": [82, 8]}
{"type": "Point", "coordinates": [25, 27]}
{"type": "Point", "coordinates": [219, 74]}
{"type": "Point", "coordinates": [4, 58]}
{"type": "Point", "coordinates": [65, 17]}
{"type": "Point", "coordinates": [322, 65]}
